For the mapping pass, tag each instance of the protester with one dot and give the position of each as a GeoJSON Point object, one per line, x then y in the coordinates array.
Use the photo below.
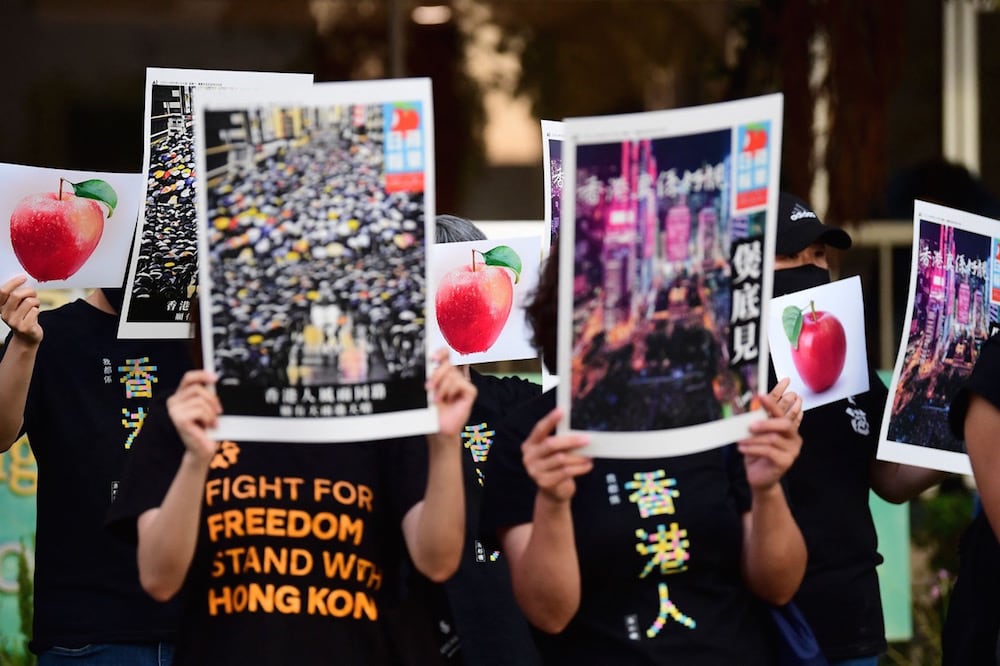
{"type": "Point", "coordinates": [82, 396]}
{"type": "Point", "coordinates": [288, 553]}
{"type": "Point", "coordinates": [829, 485]}
{"type": "Point", "coordinates": [971, 633]}
{"type": "Point", "coordinates": [472, 618]}
{"type": "Point", "coordinates": [710, 535]}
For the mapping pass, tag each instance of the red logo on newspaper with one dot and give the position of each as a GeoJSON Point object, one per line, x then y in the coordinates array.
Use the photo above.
{"type": "Point", "coordinates": [405, 119]}
{"type": "Point", "coordinates": [404, 182]}
{"type": "Point", "coordinates": [754, 138]}
{"type": "Point", "coordinates": [751, 199]}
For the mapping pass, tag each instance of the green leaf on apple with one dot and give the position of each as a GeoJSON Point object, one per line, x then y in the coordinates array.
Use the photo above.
{"type": "Point", "coordinates": [99, 191]}
{"type": "Point", "coordinates": [791, 320]}
{"type": "Point", "coordinates": [505, 256]}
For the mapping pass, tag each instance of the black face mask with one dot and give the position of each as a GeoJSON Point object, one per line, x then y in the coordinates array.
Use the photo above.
{"type": "Point", "coordinates": [115, 296]}
{"type": "Point", "coordinates": [790, 280]}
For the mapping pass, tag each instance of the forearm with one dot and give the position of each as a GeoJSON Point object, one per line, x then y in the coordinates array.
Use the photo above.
{"type": "Point", "coordinates": [545, 573]}
{"type": "Point", "coordinates": [15, 377]}
{"type": "Point", "coordinates": [438, 533]}
{"type": "Point", "coordinates": [898, 483]}
{"type": "Point", "coordinates": [774, 552]}
{"type": "Point", "coordinates": [168, 535]}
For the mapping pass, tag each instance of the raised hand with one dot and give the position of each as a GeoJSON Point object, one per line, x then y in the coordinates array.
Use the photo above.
{"type": "Point", "coordinates": [789, 402]}
{"type": "Point", "coordinates": [19, 307]}
{"type": "Point", "coordinates": [194, 409]}
{"type": "Point", "coordinates": [553, 461]}
{"type": "Point", "coordinates": [452, 393]}
{"type": "Point", "coordinates": [772, 447]}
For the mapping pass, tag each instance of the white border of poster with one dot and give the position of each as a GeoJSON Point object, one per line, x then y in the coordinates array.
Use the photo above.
{"type": "Point", "coordinates": [417, 149]}
{"type": "Point", "coordinates": [553, 131]}
{"type": "Point", "coordinates": [105, 265]}
{"type": "Point", "coordinates": [757, 171]}
{"type": "Point", "coordinates": [166, 326]}
{"type": "Point", "coordinates": [891, 446]}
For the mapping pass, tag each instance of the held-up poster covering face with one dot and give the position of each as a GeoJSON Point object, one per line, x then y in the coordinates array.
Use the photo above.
{"type": "Point", "coordinates": [479, 292]}
{"type": "Point", "coordinates": [953, 307]}
{"type": "Point", "coordinates": [552, 137]}
{"type": "Point", "coordinates": [312, 235]}
{"type": "Point", "coordinates": [817, 339]}
{"type": "Point", "coordinates": [65, 229]}
{"type": "Point", "coordinates": [666, 255]}
{"type": "Point", "coordinates": [163, 272]}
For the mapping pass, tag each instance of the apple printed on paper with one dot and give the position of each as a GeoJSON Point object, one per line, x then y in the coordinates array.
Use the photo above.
{"type": "Point", "coordinates": [54, 233]}
{"type": "Point", "coordinates": [474, 301]}
{"type": "Point", "coordinates": [819, 345]}
{"type": "Point", "coordinates": [755, 138]}
{"type": "Point", "coordinates": [405, 119]}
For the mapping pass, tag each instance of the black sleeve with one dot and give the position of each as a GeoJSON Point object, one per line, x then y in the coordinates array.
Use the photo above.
{"type": "Point", "coordinates": [154, 460]}
{"type": "Point", "coordinates": [983, 382]}
{"type": "Point", "coordinates": [509, 493]}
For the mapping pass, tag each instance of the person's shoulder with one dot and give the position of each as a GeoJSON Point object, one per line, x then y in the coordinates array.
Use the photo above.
{"type": "Point", "coordinates": [76, 318]}
{"type": "Point", "coordinates": [986, 368]}
{"type": "Point", "coordinates": [990, 350]}
{"type": "Point", "coordinates": [507, 387]}
{"type": "Point", "coordinates": [69, 310]}
{"type": "Point", "coordinates": [68, 322]}
{"type": "Point", "coordinates": [530, 412]}
{"type": "Point", "coordinates": [982, 381]}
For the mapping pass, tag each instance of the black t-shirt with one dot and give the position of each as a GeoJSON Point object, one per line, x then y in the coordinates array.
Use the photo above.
{"type": "Point", "coordinates": [299, 548]}
{"type": "Point", "coordinates": [972, 626]}
{"type": "Point", "coordinates": [473, 618]}
{"type": "Point", "coordinates": [89, 396]}
{"type": "Point", "coordinates": [659, 544]}
{"type": "Point", "coordinates": [828, 490]}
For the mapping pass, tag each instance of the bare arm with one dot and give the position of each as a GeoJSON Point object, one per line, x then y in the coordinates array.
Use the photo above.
{"type": "Point", "coordinates": [898, 483]}
{"type": "Point", "coordinates": [168, 534]}
{"type": "Point", "coordinates": [982, 423]}
{"type": "Point", "coordinates": [434, 528]}
{"type": "Point", "coordinates": [545, 571]}
{"type": "Point", "coordinates": [19, 307]}
{"type": "Point", "coordinates": [774, 552]}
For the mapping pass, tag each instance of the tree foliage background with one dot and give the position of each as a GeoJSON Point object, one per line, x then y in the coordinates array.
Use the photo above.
{"type": "Point", "coordinates": [634, 55]}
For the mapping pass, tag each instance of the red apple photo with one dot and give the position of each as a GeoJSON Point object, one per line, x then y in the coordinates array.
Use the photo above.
{"type": "Point", "coordinates": [474, 301]}
{"type": "Point", "coordinates": [405, 119]}
{"type": "Point", "coordinates": [819, 345]}
{"type": "Point", "coordinates": [54, 233]}
{"type": "Point", "coordinates": [755, 138]}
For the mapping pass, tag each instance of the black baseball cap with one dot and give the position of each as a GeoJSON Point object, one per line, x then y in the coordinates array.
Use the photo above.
{"type": "Point", "coordinates": [799, 227]}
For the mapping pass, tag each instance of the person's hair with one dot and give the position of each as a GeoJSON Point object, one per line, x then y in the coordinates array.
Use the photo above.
{"type": "Point", "coordinates": [541, 310]}
{"type": "Point", "coordinates": [454, 229]}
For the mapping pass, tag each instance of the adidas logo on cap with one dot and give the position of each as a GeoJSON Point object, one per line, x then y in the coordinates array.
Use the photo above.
{"type": "Point", "coordinates": [799, 212]}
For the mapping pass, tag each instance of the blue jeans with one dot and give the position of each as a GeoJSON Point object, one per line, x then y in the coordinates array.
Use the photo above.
{"type": "Point", "coordinates": [110, 654]}
{"type": "Point", "coordinates": [859, 661]}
